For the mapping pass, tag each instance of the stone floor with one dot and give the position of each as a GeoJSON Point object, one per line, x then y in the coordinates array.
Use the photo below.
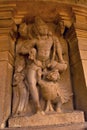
{"type": "Point", "coordinates": [50, 119]}
{"type": "Point", "coordinates": [79, 126]}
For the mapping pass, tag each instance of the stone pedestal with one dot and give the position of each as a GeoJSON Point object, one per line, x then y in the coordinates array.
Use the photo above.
{"type": "Point", "coordinates": [48, 119]}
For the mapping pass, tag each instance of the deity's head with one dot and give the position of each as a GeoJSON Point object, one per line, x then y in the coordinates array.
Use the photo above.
{"type": "Point", "coordinates": [23, 30]}
{"type": "Point", "coordinates": [41, 26]}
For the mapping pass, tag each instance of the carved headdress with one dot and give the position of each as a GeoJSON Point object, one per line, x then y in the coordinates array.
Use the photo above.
{"type": "Point", "coordinates": [40, 22]}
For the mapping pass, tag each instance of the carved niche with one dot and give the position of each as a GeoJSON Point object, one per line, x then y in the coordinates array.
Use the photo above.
{"type": "Point", "coordinates": [41, 81]}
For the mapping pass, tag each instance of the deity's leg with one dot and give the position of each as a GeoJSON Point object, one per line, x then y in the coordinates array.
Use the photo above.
{"type": "Point", "coordinates": [49, 106]}
{"type": "Point", "coordinates": [32, 80]}
{"type": "Point", "coordinates": [59, 106]}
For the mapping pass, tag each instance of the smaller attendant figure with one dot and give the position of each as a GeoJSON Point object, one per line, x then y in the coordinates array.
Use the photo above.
{"type": "Point", "coordinates": [19, 75]}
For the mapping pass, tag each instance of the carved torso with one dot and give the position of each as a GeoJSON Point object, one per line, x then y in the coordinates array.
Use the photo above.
{"type": "Point", "coordinates": [44, 48]}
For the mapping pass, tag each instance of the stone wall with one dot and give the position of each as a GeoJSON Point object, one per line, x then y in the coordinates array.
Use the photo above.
{"type": "Point", "coordinates": [77, 53]}
{"type": "Point", "coordinates": [74, 15]}
{"type": "Point", "coordinates": [6, 63]}
{"type": "Point", "coordinates": [63, 1]}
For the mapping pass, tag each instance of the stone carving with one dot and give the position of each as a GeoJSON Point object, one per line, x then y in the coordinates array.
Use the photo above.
{"type": "Point", "coordinates": [39, 64]}
{"type": "Point", "coordinates": [19, 75]}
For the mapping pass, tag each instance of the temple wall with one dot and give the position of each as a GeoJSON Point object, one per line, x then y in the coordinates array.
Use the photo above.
{"type": "Point", "coordinates": [6, 70]}
{"type": "Point", "coordinates": [76, 37]}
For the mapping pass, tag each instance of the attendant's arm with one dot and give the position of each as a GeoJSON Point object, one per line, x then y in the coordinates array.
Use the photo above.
{"type": "Point", "coordinates": [27, 47]}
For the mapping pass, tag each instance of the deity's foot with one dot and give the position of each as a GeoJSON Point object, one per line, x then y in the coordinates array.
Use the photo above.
{"type": "Point", "coordinates": [49, 107]}
{"type": "Point", "coordinates": [20, 113]}
{"type": "Point", "coordinates": [40, 112]}
{"type": "Point", "coordinates": [59, 110]}
{"type": "Point", "coordinates": [3, 125]}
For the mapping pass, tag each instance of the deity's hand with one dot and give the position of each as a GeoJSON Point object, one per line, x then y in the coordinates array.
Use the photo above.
{"type": "Point", "coordinates": [18, 77]}
{"type": "Point", "coordinates": [19, 68]}
{"type": "Point", "coordinates": [32, 54]}
{"type": "Point", "coordinates": [63, 62]}
{"type": "Point", "coordinates": [15, 80]}
{"type": "Point", "coordinates": [52, 64]}
{"type": "Point", "coordinates": [39, 74]}
{"type": "Point", "coordinates": [38, 63]}
{"type": "Point", "coordinates": [31, 57]}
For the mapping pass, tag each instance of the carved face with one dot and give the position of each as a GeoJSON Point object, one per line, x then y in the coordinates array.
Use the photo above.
{"type": "Point", "coordinates": [43, 30]}
{"type": "Point", "coordinates": [23, 29]}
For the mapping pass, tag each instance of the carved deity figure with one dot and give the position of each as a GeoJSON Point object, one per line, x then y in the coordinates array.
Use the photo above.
{"type": "Point", "coordinates": [44, 64]}
{"type": "Point", "coordinates": [19, 74]}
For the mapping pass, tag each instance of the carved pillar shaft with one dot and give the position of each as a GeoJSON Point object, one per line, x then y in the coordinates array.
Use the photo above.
{"type": "Point", "coordinates": [81, 34]}
{"type": "Point", "coordinates": [6, 64]}
{"type": "Point", "coordinates": [82, 45]}
{"type": "Point", "coordinates": [77, 43]}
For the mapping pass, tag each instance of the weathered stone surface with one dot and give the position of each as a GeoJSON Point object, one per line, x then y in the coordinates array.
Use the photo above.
{"type": "Point", "coordinates": [84, 63]}
{"type": "Point", "coordinates": [59, 1]}
{"type": "Point", "coordinates": [6, 65]}
{"type": "Point", "coordinates": [75, 126]}
{"type": "Point", "coordinates": [7, 44]}
{"type": "Point", "coordinates": [74, 58]}
{"type": "Point", "coordinates": [43, 69]}
{"type": "Point", "coordinates": [77, 50]}
{"type": "Point", "coordinates": [82, 44]}
{"type": "Point", "coordinates": [6, 56]}
{"type": "Point", "coordinates": [5, 90]}
{"type": "Point", "coordinates": [49, 119]}
{"type": "Point", "coordinates": [79, 88]}
{"type": "Point", "coordinates": [77, 39]}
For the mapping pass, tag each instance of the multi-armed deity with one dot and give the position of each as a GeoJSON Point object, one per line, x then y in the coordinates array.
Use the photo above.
{"type": "Point", "coordinates": [38, 67]}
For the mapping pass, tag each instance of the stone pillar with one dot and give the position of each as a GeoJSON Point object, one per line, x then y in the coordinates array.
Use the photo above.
{"type": "Point", "coordinates": [77, 40]}
{"type": "Point", "coordinates": [7, 46]}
